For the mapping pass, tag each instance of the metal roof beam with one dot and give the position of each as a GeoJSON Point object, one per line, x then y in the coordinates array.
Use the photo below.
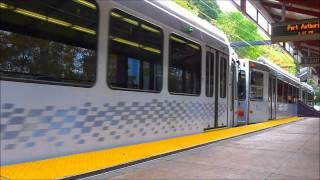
{"type": "Point", "coordinates": [294, 9]}
{"type": "Point", "coordinates": [250, 43]}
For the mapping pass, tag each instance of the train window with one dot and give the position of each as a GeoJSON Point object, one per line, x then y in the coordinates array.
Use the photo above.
{"type": "Point", "coordinates": [234, 74]}
{"type": "Point", "coordinates": [304, 96]}
{"type": "Point", "coordinates": [256, 92]}
{"type": "Point", "coordinates": [51, 42]}
{"type": "Point", "coordinates": [223, 77]}
{"type": "Point", "coordinates": [285, 92]}
{"type": "Point", "coordinates": [184, 66]}
{"type": "Point", "coordinates": [242, 85]}
{"type": "Point", "coordinates": [310, 99]}
{"type": "Point", "coordinates": [209, 73]}
{"type": "Point", "coordinates": [290, 97]}
{"type": "Point", "coordinates": [298, 93]}
{"type": "Point", "coordinates": [279, 91]}
{"type": "Point", "coordinates": [294, 94]}
{"type": "Point", "coordinates": [135, 54]}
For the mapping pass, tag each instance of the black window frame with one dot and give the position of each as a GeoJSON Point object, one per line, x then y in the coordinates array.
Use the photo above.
{"type": "Point", "coordinates": [280, 82]}
{"type": "Point", "coordinates": [169, 58]}
{"type": "Point", "coordinates": [294, 89]}
{"type": "Point", "coordinates": [58, 82]}
{"type": "Point", "coordinates": [290, 100]}
{"type": "Point", "coordinates": [304, 94]}
{"type": "Point", "coordinates": [242, 98]}
{"type": "Point", "coordinates": [223, 61]}
{"type": "Point", "coordinates": [210, 88]}
{"type": "Point", "coordinates": [162, 53]}
{"type": "Point", "coordinates": [257, 86]}
{"type": "Point", "coordinates": [285, 92]}
{"type": "Point", "coordinates": [310, 97]}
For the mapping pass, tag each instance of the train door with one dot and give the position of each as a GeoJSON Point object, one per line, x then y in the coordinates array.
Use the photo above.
{"type": "Point", "coordinates": [210, 82]}
{"type": "Point", "coordinates": [243, 89]}
{"type": "Point", "coordinates": [258, 93]}
{"type": "Point", "coordinates": [234, 93]}
{"type": "Point", "coordinates": [221, 112]}
{"type": "Point", "coordinates": [270, 97]}
{"type": "Point", "coordinates": [274, 97]}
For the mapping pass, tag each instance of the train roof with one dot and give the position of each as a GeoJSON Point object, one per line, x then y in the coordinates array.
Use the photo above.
{"type": "Point", "coordinates": [174, 16]}
{"type": "Point", "coordinates": [306, 86]}
{"type": "Point", "coordinates": [278, 70]}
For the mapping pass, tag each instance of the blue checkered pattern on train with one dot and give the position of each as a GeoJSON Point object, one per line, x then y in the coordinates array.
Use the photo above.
{"type": "Point", "coordinates": [21, 128]}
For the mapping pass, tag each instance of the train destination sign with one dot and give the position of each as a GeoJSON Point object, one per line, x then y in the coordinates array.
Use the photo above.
{"type": "Point", "coordinates": [296, 30]}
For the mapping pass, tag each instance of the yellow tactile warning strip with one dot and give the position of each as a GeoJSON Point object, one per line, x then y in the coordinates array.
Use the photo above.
{"type": "Point", "coordinates": [60, 167]}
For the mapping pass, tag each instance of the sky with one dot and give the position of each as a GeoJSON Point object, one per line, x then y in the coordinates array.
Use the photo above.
{"type": "Point", "coordinates": [226, 5]}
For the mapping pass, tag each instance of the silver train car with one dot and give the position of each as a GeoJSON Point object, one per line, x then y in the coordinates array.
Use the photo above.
{"type": "Point", "coordinates": [79, 76]}
{"type": "Point", "coordinates": [268, 92]}
{"type": "Point", "coordinates": [84, 75]}
{"type": "Point", "coordinates": [307, 94]}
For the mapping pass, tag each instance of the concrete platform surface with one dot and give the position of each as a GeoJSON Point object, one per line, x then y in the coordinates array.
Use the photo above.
{"type": "Point", "coordinates": [288, 151]}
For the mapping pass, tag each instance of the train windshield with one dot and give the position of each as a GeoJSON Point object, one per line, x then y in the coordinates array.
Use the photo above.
{"type": "Point", "coordinates": [48, 40]}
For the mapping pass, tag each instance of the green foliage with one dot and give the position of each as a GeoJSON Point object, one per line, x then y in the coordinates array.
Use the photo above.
{"type": "Point", "coordinates": [317, 101]}
{"type": "Point", "coordinates": [311, 82]}
{"type": "Point", "coordinates": [188, 5]}
{"type": "Point", "coordinates": [238, 28]}
{"type": "Point", "coordinates": [29, 55]}
{"type": "Point", "coordinates": [208, 7]}
{"type": "Point", "coordinates": [278, 56]}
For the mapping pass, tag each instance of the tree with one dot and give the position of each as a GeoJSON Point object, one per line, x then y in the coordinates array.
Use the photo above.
{"type": "Point", "coordinates": [208, 7]}
{"type": "Point", "coordinates": [317, 100]}
{"type": "Point", "coordinates": [44, 58]}
{"type": "Point", "coordinates": [238, 28]}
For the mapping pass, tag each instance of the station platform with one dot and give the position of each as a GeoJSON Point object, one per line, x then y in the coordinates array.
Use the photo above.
{"type": "Point", "coordinates": [286, 151]}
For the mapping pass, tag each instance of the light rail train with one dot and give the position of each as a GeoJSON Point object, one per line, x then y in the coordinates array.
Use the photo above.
{"type": "Point", "coordinates": [84, 75]}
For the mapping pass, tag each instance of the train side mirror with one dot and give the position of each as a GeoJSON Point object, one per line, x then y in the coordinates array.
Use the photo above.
{"type": "Point", "coordinates": [238, 63]}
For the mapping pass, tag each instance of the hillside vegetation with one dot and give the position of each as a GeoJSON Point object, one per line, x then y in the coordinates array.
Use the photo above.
{"type": "Point", "coordinates": [238, 28]}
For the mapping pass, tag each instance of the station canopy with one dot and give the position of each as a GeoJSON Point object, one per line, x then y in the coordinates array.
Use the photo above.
{"type": "Point", "coordinates": [292, 23]}
{"type": "Point", "coordinates": [297, 21]}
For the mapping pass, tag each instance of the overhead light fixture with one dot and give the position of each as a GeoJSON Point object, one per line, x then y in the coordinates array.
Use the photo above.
{"type": "Point", "coordinates": [30, 14]}
{"type": "Point", "coordinates": [133, 22]}
{"type": "Point", "coordinates": [59, 22]}
{"type": "Point", "coordinates": [124, 41]}
{"type": "Point", "coordinates": [130, 21]}
{"type": "Point", "coordinates": [83, 29]}
{"type": "Point", "coordinates": [46, 18]}
{"type": "Point", "coordinates": [137, 45]}
{"type": "Point", "coordinates": [182, 41]}
{"type": "Point", "coordinates": [86, 3]}
{"type": "Point", "coordinates": [152, 50]}
{"type": "Point", "coordinates": [4, 6]}
{"type": "Point", "coordinates": [149, 28]}
{"type": "Point", "coordinates": [116, 15]}
{"type": "Point", "coordinates": [193, 46]}
{"type": "Point", "coordinates": [177, 39]}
